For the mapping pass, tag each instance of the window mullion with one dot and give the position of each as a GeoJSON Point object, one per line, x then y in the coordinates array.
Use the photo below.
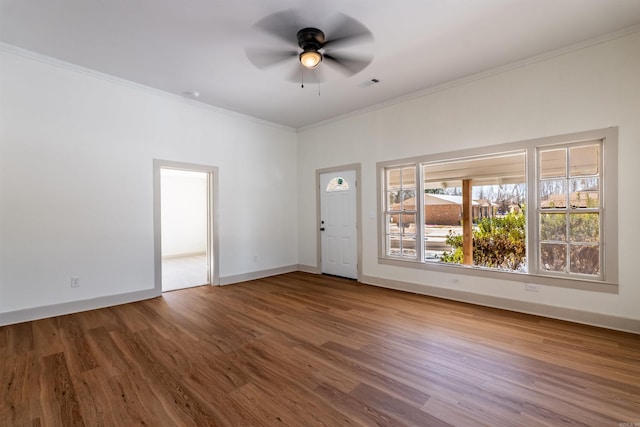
{"type": "Point", "coordinates": [420, 220]}
{"type": "Point", "coordinates": [532, 186]}
{"type": "Point", "coordinates": [567, 204]}
{"type": "Point", "coordinates": [568, 241]}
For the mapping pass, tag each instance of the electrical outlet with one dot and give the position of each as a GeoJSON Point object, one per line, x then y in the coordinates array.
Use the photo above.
{"type": "Point", "coordinates": [455, 280]}
{"type": "Point", "coordinates": [531, 287]}
{"type": "Point", "coordinates": [75, 282]}
{"type": "Point", "coordinates": [255, 258]}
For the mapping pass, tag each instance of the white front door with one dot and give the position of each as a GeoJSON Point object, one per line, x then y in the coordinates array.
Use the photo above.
{"type": "Point", "coordinates": [338, 223]}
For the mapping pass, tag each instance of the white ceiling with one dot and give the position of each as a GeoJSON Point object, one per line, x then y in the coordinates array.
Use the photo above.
{"type": "Point", "coordinates": [199, 45]}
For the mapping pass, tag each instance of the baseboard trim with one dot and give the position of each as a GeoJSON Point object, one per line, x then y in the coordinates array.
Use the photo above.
{"type": "Point", "coordinates": [184, 255]}
{"type": "Point", "coordinates": [561, 313]}
{"type": "Point", "coordinates": [245, 277]}
{"type": "Point", "coordinates": [569, 314]}
{"type": "Point", "coordinates": [36, 313]}
{"type": "Point", "coordinates": [309, 269]}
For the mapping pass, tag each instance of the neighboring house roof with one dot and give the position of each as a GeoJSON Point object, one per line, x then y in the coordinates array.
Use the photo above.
{"type": "Point", "coordinates": [445, 199]}
{"type": "Point", "coordinates": [442, 199]}
{"type": "Point", "coordinates": [486, 203]}
{"type": "Point", "coordinates": [434, 199]}
{"type": "Point", "coordinates": [579, 199]}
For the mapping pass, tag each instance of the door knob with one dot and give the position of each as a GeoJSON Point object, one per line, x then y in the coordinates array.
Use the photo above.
{"type": "Point", "coordinates": [321, 228]}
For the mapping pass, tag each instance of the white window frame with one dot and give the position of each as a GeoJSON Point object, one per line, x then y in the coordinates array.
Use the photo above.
{"type": "Point", "coordinates": [608, 208]}
{"type": "Point", "coordinates": [388, 211]}
{"type": "Point", "coordinates": [568, 210]}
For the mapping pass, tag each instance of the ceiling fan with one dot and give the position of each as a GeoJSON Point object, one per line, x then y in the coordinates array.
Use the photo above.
{"type": "Point", "coordinates": [308, 46]}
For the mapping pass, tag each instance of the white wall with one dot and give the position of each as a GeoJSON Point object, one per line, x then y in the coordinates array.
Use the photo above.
{"type": "Point", "coordinates": [76, 168]}
{"type": "Point", "coordinates": [76, 183]}
{"type": "Point", "coordinates": [591, 88]}
{"type": "Point", "coordinates": [184, 212]}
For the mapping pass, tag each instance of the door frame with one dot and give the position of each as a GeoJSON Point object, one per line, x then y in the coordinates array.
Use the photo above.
{"type": "Point", "coordinates": [350, 167]}
{"type": "Point", "coordinates": [212, 218]}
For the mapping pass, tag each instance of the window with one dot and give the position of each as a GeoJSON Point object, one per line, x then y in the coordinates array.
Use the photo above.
{"type": "Point", "coordinates": [527, 208]}
{"type": "Point", "coordinates": [491, 191]}
{"type": "Point", "coordinates": [570, 211]}
{"type": "Point", "coordinates": [400, 211]}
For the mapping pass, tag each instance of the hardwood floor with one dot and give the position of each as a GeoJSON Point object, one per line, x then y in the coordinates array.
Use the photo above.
{"type": "Point", "coordinates": [306, 350]}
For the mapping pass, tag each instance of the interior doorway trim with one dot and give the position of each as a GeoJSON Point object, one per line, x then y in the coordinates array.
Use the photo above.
{"type": "Point", "coordinates": [355, 167]}
{"type": "Point", "coordinates": [212, 218]}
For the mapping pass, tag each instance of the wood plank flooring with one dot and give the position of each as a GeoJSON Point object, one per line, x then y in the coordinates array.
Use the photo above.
{"type": "Point", "coordinates": [307, 350]}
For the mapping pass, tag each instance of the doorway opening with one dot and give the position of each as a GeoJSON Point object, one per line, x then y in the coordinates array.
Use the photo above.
{"type": "Point", "coordinates": [185, 227]}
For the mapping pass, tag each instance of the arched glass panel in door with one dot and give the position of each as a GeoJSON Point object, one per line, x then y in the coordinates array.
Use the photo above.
{"type": "Point", "coordinates": [337, 184]}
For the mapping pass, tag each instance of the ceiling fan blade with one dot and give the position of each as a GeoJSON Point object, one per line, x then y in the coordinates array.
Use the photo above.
{"type": "Point", "coordinates": [348, 65]}
{"type": "Point", "coordinates": [264, 58]}
{"type": "Point", "coordinates": [346, 31]}
{"type": "Point", "coordinates": [283, 25]}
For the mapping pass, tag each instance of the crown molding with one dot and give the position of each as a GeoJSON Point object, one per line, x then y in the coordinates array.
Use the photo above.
{"type": "Point", "coordinates": [34, 56]}
{"type": "Point", "coordinates": [478, 76]}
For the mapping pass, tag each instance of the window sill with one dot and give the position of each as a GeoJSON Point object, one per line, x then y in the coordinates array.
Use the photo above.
{"type": "Point", "coordinates": [573, 283]}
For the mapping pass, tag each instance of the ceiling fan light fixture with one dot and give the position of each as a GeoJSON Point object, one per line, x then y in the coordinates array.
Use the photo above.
{"type": "Point", "coordinates": [310, 59]}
